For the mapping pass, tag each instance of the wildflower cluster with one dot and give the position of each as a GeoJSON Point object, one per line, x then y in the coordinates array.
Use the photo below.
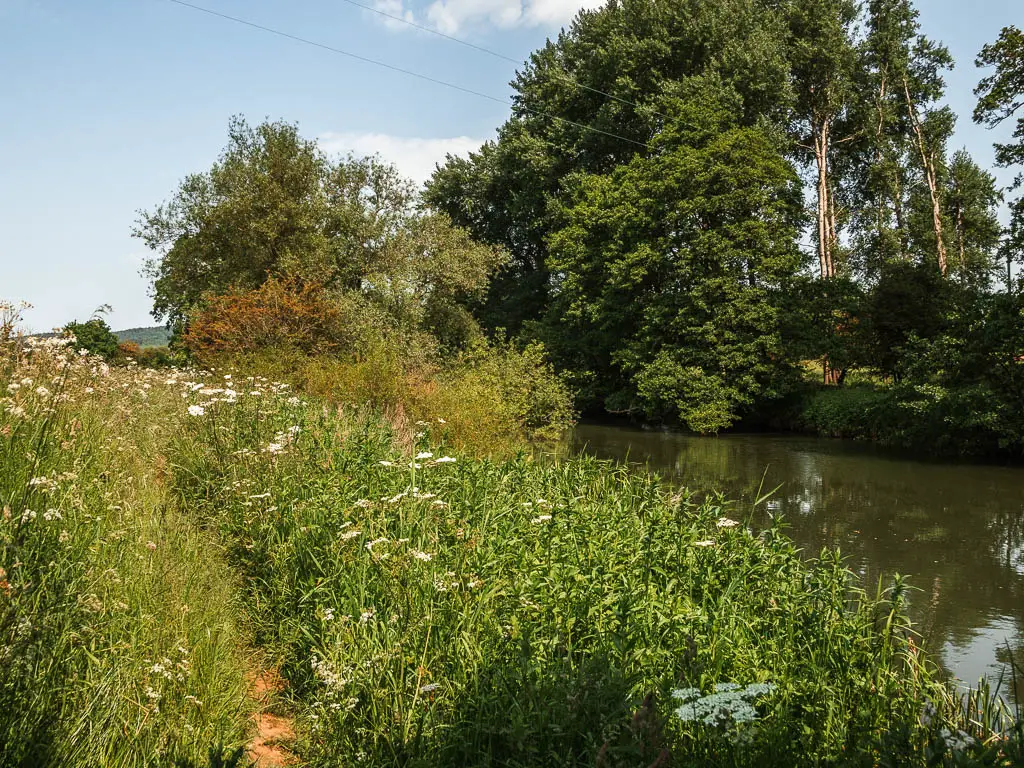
{"type": "Point", "coordinates": [729, 703]}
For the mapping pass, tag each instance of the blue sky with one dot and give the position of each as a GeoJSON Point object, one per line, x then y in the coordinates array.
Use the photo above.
{"type": "Point", "coordinates": [107, 105]}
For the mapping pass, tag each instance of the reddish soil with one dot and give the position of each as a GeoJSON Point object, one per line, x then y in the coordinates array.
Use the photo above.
{"type": "Point", "coordinates": [273, 732]}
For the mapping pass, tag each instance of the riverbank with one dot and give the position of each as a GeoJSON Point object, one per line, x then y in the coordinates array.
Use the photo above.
{"type": "Point", "coordinates": [954, 529]}
{"type": "Point", "coordinates": [928, 420]}
{"type": "Point", "coordinates": [423, 606]}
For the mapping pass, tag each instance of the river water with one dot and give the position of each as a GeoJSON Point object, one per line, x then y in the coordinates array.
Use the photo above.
{"type": "Point", "coordinates": [956, 530]}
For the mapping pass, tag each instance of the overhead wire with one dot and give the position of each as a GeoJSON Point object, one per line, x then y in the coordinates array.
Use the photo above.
{"type": "Point", "coordinates": [495, 54]}
{"type": "Point", "coordinates": [404, 71]}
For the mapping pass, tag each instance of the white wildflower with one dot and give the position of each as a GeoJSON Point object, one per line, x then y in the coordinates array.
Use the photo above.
{"type": "Point", "coordinates": [424, 455]}
{"type": "Point", "coordinates": [541, 519]}
{"type": "Point", "coordinates": [422, 556]}
{"type": "Point", "coordinates": [196, 410]}
{"type": "Point", "coordinates": [445, 460]}
{"type": "Point", "coordinates": [725, 522]}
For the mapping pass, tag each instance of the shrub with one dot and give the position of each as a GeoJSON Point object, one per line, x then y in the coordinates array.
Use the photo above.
{"type": "Point", "coordinates": [490, 400]}
{"type": "Point", "coordinates": [283, 315]}
{"type": "Point", "coordinates": [95, 337]}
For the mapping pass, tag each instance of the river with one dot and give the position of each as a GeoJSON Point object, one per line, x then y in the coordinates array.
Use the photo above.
{"type": "Point", "coordinates": [956, 530]}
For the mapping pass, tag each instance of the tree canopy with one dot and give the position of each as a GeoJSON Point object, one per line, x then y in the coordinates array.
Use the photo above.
{"type": "Point", "coordinates": [274, 206]}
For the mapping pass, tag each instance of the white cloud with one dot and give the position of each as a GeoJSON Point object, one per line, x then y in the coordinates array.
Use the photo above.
{"type": "Point", "coordinates": [414, 157]}
{"type": "Point", "coordinates": [453, 16]}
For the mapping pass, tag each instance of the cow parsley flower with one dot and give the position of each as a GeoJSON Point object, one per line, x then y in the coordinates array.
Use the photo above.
{"type": "Point", "coordinates": [196, 410]}
{"type": "Point", "coordinates": [728, 704]}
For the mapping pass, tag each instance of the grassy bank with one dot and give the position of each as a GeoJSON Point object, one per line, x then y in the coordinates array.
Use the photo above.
{"type": "Point", "coordinates": [429, 609]}
{"type": "Point", "coordinates": [120, 640]}
{"type": "Point", "coordinates": [426, 608]}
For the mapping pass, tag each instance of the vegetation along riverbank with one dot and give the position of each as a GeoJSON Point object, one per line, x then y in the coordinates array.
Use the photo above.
{"type": "Point", "coordinates": [316, 508]}
{"type": "Point", "coordinates": [423, 606]}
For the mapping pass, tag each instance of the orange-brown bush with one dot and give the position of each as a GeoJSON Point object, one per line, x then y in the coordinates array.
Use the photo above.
{"type": "Point", "coordinates": [284, 315]}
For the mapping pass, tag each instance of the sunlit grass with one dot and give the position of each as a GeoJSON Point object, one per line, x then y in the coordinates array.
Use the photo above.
{"type": "Point", "coordinates": [427, 608]}
{"type": "Point", "coordinates": [477, 612]}
{"type": "Point", "coordinates": [118, 623]}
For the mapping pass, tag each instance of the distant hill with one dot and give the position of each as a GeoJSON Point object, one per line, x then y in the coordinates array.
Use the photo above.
{"type": "Point", "coordinates": [157, 336]}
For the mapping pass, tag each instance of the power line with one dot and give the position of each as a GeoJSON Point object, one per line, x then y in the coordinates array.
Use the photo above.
{"type": "Point", "coordinates": [495, 54]}
{"type": "Point", "coordinates": [424, 28]}
{"type": "Point", "coordinates": [401, 70]}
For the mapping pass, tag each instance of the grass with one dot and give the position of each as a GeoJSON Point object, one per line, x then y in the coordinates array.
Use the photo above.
{"type": "Point", "coordinates": [469, 612]}
{"type": "Point", "coordinates": [119, 625]}
{"type": "Point", "coordinates": [426, 608]}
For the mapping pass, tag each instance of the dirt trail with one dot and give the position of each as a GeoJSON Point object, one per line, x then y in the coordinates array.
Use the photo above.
{"type": "Point", "coordinates": [273, 732]}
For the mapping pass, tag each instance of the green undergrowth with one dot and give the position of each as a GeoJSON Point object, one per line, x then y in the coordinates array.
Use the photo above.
{"type": "Point", "coordinates": [120, 643]}
{"type": "Point", "coordinates": [430, 609]}
{"type": "Point", "coordinates": [926, 418]}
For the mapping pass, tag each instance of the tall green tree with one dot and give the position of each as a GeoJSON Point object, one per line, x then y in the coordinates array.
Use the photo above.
{"type": "Point", "coordinates": [273, 205]}
{"type": "Point", "coordinates": [668, 271]}
{"type": "Point", "coordinates": [1001, 94]}
{"type": "Point", "coordinates": [824, 59]}
{"type": "Point", "coordinates": [592, 100]}
{"type": "Point", "coordinates": [970, 202]}
{"type": "Point", "coordinates": [905, 134]}
{"type": "Point", "coordinates": [1001, 97]}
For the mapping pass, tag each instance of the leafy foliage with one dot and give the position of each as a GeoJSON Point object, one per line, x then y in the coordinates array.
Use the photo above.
{"type": "Point", "coordinates": [274, 206]}
{"type": "Point", "coordinates": [434, 610]}
{"type": "Point", "coordinates": [669, 270]}
{"type": "Point", "coordinates": [94, 336]}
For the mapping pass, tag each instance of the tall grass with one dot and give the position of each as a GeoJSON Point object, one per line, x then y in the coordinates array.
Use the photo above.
{"type": "Point", "coordinates": [426, 608]}
{"type": "Point", "coordinates": [430, 612]}
{"type": "Point", "coordinates": [119, 639]}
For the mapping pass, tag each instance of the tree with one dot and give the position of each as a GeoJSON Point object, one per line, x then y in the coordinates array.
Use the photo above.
{"type": "Point", "coordinates": [592, 100]}
{"type": "Point", "coordinates": [905, 134]}
{"type": "Point", "coordinates": [907, 305]}
{"type": "Point", "coordinates": [1000, 97]}
{"type": "Point", "coordinates": [274, 206]}
{"type": "Point", "coordinates": [94, 336]}
{"type": "Point", "coordinates": [823, 58]}
{"type": "Point", "coordinates": [1001, 94]}
{"type": "Point", "coordinates": [668, 270]}
{"type": "Point", "coordinates": [970, 200]}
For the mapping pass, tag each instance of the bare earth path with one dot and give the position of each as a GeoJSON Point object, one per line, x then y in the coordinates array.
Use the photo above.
{"type": "Point", "coordinates": [273, 732]}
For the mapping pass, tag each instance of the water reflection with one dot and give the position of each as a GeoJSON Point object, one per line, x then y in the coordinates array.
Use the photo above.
{"type": "Point", "coordinates": [956, 530]}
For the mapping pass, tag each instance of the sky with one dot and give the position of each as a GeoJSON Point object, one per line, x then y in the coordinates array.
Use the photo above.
{"type": "Point", "coordinates": [105, 105]}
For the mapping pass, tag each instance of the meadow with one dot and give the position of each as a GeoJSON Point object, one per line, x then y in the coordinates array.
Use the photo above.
{"type": "Point", "coordinates": [167, 536]}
